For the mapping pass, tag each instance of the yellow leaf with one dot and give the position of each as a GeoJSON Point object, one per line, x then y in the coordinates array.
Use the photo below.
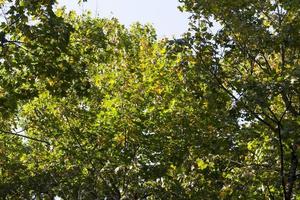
{"type": "Point", "coordinates": [120, 139]}
{"type": "Point", "coordinates": [201, 164]}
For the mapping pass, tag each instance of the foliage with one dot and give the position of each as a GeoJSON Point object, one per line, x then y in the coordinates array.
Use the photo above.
{"type": "Point", "coordinates": [92, 110]}
{"type": "Point", "coordinates": [254, 58]}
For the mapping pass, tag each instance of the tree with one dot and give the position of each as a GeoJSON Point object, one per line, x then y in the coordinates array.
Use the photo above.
{"type": "Point", "coordinates": [99, 117]}
{"type": "Point", "coordinates": [113, 113]}
{"type": "Point", "coordinates": [254, 58]}
{"type": "Point", "coordinates": [32, 37]}
{"type": "Point", "coordinates": [93, 110]}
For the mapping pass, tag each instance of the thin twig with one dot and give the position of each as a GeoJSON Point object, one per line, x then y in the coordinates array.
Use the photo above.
{"type": "Point", "coordinates": [24, 136]}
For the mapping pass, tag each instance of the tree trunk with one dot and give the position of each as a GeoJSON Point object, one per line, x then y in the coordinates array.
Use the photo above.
{"type": "Point", "coordinates": [292, 176]}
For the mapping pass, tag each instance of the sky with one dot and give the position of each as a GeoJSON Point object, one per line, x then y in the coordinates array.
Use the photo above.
{"type": "Point", "coordinates": [162, 14]}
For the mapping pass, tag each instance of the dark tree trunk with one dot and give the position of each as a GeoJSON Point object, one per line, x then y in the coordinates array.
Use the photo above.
{"type": "Point", "coordinates": [292, 176]}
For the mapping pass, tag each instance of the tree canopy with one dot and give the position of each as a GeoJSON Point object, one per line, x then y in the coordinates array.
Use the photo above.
{"type": "Point", "coordinates": [90, 109]}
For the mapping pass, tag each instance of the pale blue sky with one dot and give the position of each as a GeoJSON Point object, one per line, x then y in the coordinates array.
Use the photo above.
{"type": "Point", "coordinates": [162, 14]}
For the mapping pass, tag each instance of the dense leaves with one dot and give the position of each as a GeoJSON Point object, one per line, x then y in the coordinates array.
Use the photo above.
{"type": "Point", "coordinates": [93, 110]}
{"type": "Point", "coordinates": [253, 57]}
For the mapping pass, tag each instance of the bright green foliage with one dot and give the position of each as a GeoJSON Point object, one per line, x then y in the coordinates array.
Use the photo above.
{"type": "Point", "coordinates": [117, 114]}
{"type": "Point", "coordinates": [93, 110]}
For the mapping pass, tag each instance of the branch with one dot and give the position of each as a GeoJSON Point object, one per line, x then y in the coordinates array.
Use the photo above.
{"type": "Point", "coordinates": [266, 61]}
{"type": "Point", "coordinates": [293, 172]}
{"type": "Point", "coordinates": [288, 104]}
{"type": "Point", "coordinates": [275, 120]}
{"type": "Point", "coordinates": [270, 193]}
{"type": "Point", "coordinates": [235, 98]}
{"type": "Point", "coordinates": [281, 152]}
{"type": "Point", "coordinates": [24, 136]}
